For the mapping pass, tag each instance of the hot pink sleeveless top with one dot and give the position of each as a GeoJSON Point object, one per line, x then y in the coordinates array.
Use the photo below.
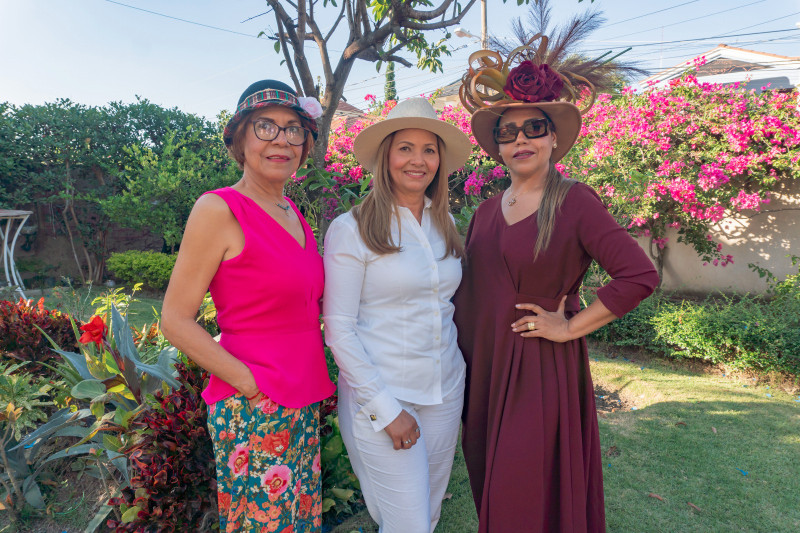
{"type": "Point", "coordinates": [267, 301]}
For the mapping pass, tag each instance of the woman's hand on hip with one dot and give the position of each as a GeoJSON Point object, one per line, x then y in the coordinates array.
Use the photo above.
{"type": "Point", "coordinates": [403, 430]}
{"type": "Point", "coordinates": [544, 324]}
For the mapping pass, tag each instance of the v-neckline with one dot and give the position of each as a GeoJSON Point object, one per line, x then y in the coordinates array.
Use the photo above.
{"type": "Point", "coordinates": [506, 224]}
{"type": "Point", "coordinates": [303, 247]}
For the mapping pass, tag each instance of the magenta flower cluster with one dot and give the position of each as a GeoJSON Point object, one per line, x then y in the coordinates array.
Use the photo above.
{"type": "Point", "coordinates": [680, 157]}
{"type": "Point", "coordinates": [687, 155]}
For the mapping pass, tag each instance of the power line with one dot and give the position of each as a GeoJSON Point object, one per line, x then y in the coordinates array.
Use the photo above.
{"type": "Point", "coordinates": [691, 19]}
{"type": "Point", "coordinates": [767, 21]}
{"type": "Point", "coordinates": [651, 13]}
{"type": "Point", "coordinates": [699, 39]}
{"type": "Point", "coordinates": [182, 20]}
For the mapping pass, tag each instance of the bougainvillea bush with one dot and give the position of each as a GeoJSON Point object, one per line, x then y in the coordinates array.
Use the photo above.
{"type": "Point", "coordinates": [686, 155]}
{"type": "Point", "coordinates": [682, 156]}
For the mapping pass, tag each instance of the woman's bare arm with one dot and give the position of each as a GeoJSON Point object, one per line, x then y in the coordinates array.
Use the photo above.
{"type": "Point", "coordinates": [212, 235]}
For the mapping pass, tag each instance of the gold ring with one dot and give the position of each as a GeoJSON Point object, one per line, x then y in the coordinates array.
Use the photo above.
{"type": "Point", "coordinates": [531, 326]}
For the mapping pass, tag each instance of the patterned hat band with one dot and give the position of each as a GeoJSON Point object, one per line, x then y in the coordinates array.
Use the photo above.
{"type": "Point", "coordinates": [268, 95]}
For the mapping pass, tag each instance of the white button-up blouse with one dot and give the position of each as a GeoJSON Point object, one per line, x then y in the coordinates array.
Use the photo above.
{"type": "Point", "coordinates": [389, 318]}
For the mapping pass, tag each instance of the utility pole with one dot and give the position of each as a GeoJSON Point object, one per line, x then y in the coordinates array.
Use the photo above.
{"type": "Point", "coordinates": [484, 32]}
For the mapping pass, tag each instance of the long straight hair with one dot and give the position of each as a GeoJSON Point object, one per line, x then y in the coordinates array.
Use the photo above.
{"type": "Point", "coordinates": [373, 214]}
{"type": "Point", "coordinates": [556, 188]}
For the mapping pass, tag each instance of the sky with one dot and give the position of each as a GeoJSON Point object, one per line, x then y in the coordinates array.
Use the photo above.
{"type": "Point", "coordinates": [199, 55]}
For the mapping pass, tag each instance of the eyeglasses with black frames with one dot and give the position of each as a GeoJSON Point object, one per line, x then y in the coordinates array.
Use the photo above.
{"type": "Point", "coordinates": [266, 130]}
{"type": "Point", "coordinates": [533, 128]}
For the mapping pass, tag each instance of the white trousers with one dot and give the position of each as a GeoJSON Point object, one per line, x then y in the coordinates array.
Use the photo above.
{"type": "Point", "coordinates": [403, 489]}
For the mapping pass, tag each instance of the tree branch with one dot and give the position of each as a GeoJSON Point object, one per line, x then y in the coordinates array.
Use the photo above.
{"type": "Point", "coordinates": [301, 18]}
{"type": "Point", "coordinates": [322, 44]}
{"type": "Point", "coordinates": [428, 15]}
{"type": "Point", "coordinates": [285, 49]}
{"type": "Point", "coordinates": [424, 26]}
{"type": "Point", "coordinates": [297, 42]}
{"type": "Point", "coordinates": [336, 23]}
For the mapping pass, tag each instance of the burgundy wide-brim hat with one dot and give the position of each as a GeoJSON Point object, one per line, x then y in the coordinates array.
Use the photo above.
{"type": "Point", "coordinates": [266, 93]}
{"type": "Point", "coordinates": [565, 116]}
{"type": "Point", "coordinates": [493, 85]}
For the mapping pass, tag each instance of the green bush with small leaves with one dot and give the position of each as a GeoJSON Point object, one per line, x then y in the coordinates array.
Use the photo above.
{"type": "Point", "coordinates": [747, 332]}
{"type": "Point", "coordinates": [151, 268]}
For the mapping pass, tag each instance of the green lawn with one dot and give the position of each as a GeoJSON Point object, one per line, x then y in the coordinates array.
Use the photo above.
{"type": "Point", "coordinates": [690, 438]}
{"type": "Point", "coordinates": [668, 446]}
{"type": "Point", "coordinates": [78, 302]}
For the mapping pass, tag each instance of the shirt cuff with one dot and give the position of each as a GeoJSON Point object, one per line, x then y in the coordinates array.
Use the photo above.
{"type": "Point", "coordinates": [382, 410]}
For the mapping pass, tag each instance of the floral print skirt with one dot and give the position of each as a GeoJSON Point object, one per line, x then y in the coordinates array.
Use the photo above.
{"type": "Point", "coordinates": [268, 466]}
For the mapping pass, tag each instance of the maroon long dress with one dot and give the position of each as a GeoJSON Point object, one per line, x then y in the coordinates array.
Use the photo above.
{"type": "Point", "coordinates": [530, 437]}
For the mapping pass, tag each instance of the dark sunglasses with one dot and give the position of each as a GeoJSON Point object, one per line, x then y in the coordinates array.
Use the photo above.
{"type": "Point", "coordinates": [533, 128]}
{"type": "Point", "coordinates": [266, 130]}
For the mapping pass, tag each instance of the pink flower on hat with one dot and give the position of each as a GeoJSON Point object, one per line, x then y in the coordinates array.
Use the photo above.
{"type": "Point", "coordinates": [311, 106]}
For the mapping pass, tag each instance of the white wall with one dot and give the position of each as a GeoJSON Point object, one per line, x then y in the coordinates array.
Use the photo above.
{"type": "Point", "coordinates": [764, 238]}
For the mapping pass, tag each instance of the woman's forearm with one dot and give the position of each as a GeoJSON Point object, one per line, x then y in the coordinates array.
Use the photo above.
{"type": "Point", "coordinates": [589, 319]}
{"type": "Point", "coordinates": [197, 344]}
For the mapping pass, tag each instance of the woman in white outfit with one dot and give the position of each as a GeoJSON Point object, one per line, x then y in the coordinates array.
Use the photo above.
{"type": "Point", "coordinates": [392, 265]}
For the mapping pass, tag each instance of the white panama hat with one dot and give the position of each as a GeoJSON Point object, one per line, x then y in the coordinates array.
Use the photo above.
{"type": "Point", "coordinates": [415, 113]}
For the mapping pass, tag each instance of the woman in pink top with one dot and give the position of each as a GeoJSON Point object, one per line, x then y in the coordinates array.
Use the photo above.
{"type": "Point", "coordinates": [251, 247]}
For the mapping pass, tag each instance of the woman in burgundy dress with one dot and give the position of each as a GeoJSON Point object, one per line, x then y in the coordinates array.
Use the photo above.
{"type": "Point", "coordinates": [530, 434]}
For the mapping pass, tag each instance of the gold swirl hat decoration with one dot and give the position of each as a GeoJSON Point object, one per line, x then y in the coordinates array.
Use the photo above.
{"type": "Point", "coordinates": [483, 85]}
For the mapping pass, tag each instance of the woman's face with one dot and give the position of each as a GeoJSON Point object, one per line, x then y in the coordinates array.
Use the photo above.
{"type": "Point", "coordinates": [276, 159]}
{"type": "Point", "coordinates": [413, 161]}
{"type": "Point", "coordinates": [525, 156]}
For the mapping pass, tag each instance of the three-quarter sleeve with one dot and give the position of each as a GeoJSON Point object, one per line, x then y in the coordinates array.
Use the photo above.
{"type": "Point", "coordinates": [345, 260]}
{"type": "Point", "coordinates": [633, 275]}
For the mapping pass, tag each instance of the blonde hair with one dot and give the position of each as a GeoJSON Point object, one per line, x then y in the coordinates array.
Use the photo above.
{"type": "Point", "coordinates": [236, 148]}
{"type": "Point", "coordinates": [556, 188]}
{"type": "Point", "coordinates": [373, 215]}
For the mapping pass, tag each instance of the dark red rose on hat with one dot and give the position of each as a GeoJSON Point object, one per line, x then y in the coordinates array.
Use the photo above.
{"type": "Point", "coordinates": [533, 83]}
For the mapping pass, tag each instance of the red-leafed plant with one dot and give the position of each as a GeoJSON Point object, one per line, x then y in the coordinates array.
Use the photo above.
{"type": "Point", "coordinates": [173, 482]}
{"type": "Point", "coordinates": [20, 337]}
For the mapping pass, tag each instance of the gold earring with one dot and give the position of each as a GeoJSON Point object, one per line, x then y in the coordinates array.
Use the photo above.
{"type": "Point", "coordinates": [555, 145]}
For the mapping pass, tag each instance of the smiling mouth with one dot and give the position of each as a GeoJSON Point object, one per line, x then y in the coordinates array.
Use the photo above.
{"type": "Point", "coordinates": [278, 158]}
{"type": "Point", "coordinates": [523, 154]}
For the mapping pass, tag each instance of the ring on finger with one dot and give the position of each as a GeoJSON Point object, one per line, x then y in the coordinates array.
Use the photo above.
{"type": "Point", "coordinates": [531, 326]}
{"type": "Point", "coordinates": [407, 441]}
{"type": "Point", "coordinates": [417, 430]}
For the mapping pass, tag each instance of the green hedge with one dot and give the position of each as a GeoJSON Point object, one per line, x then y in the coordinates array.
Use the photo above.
{"type": "Point", "coordinates": [743, 333]}
{"type": "Point", "coordinates": [151, 268]}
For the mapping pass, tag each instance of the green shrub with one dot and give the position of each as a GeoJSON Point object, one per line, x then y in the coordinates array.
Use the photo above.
{"type": "Point", "coordinates": [21, 326]}
{"type": "Point", "coordinates": [745, 333]}
{"type": "Point", "coordinates": [26, 393]}
{"type": "Point", "coordinates": [151, 268]}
